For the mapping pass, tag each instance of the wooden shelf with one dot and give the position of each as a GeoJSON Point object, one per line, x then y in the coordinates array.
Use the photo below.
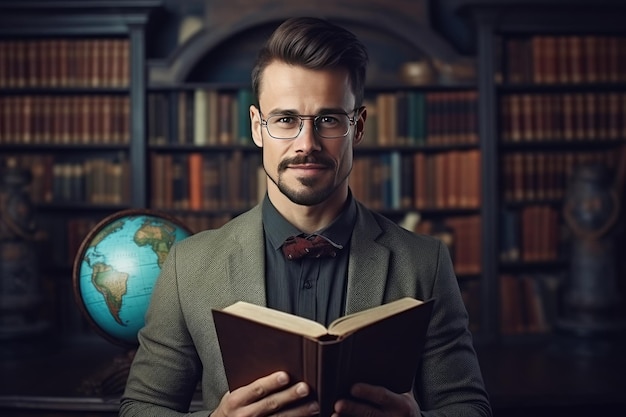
{"type": "Point", "coordinates": [543, 376]}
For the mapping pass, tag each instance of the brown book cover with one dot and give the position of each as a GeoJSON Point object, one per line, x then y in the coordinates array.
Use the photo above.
{"type": "Point", "coordinates": [471, 116]}
{"type": "Point", "coordinates": [379, 346]}
{"type": "Point", "coordinates": [124, 62]}
{"type": "Point", "coordinates": [580, 121]}
{"type": "Point", "coordinates": [538, 115]}
{"type": "Point", "coordinates": [85, 111]}
{"type": "Point", "coordinates": [383, 130]}
{"type": "Point", "coordinates": [106, 112]}
{"type": "Point", "coordinates": [195, 181]}
{"type": "Point", "coordinates": [613, 58]}
{"type": "Point", "coordinates": [511, 320]}
{"type": "Point", "coordinates": [4, 67]}
{"type": "Point", "coordinates": [517, 169]}
{"type": "Point", "coordinates": [575, 47]}
{"type": "Point", "coordinates": [568, 116]}
{"type": "Point", "coordinates": [590, 52]}
{"type": "Point", "coordinates": [210, 184]}
{"type": "Point", "coordinates": [124, 119]}
{"type": "Point", "coordinates": [515, 114]}
{"type": "Point", "coordinates": [528, 133]}
{"type": "Point", "coordinates": [224, 119]}
{"type": "Point", "coordinates": [235, 180]}
{"type": "Point", "coordinates": [563, 60]}
{"type": "Point", "coordinates": [614, 119]}
{"type": "Point", "coordinates": [545, 118]}
{"type": "Point", "coordinates": [538, 51]}
{"type": "Point", "coordinates": [550, 66]}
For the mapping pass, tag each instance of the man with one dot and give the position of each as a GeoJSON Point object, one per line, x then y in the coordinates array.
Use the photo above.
{"type": "Point", "coordinates": [309, 81]}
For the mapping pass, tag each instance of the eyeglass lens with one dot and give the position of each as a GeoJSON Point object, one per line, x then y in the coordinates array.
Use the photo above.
{"type": "Point", "coordinates": [326, 125]}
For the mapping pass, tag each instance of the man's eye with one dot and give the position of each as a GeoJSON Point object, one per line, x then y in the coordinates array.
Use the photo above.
{"type": "Point", "coordinates": [328, 120]}
{"type": "Point", "coordinates": [286, 120]}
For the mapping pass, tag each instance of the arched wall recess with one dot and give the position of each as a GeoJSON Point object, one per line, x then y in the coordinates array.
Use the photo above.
{"type": "Point", "coordinates": [225, 51]}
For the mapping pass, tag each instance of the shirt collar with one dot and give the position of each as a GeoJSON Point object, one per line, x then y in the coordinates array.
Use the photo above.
{"type": "Point", "coordinates": [277, 228]}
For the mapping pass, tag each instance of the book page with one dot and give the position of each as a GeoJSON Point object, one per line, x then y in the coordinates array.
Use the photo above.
{"type": "Point", "coordinates": [278, 319]}
{"type": "Point", "coordinates": [352, 322]}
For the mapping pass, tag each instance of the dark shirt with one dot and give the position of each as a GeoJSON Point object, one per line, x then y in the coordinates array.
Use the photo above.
{"type": "Point", "coordinates": [308, 287]}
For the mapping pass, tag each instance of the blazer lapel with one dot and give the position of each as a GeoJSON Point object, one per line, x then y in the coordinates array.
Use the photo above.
{"type": "Point", "coordinates": [368, 265]}
{"type": "Point", "coordinates": [245, 264]}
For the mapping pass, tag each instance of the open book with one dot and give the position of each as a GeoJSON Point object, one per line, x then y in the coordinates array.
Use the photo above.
{"type": "Point", "coordinates": [379, 346]}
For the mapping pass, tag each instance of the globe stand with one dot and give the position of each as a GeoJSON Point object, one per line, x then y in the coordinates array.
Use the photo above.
{"type": "Point", "coordinates": [111, 379]}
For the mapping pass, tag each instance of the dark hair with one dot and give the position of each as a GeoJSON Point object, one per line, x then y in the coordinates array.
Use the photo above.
{"type": "Point", "coordinates": [315, 44]}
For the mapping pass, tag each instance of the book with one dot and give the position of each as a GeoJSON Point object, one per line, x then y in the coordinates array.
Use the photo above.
{"type": "Point", "coordinates": [380, 346]}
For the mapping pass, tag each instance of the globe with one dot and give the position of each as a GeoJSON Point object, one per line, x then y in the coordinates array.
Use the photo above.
{"type": "Point", "coordinates": [117, 266]}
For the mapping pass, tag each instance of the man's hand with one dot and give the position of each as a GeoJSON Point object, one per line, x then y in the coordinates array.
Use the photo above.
{"type": "Point", "coordinates": [268, 396]}
{"type": "Point", "coordinates": [373, 401]}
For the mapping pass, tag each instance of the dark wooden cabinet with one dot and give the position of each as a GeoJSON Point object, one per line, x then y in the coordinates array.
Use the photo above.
{"type": "Point", "coordinates": [551, 99]}
{"type": "Point", "coordinates": [72, 94]}
{"type": "Point", "coordinates": [67, 377]}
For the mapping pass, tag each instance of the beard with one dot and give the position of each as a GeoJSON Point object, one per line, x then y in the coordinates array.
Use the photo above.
{"type": "Point", "coordinates": [311, 193]}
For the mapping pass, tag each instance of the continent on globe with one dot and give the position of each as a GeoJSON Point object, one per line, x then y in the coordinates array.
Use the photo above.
{"type": "Point", "coordinates": [158, 235]}
{"type": "Point", "coordinates": [112, 285]}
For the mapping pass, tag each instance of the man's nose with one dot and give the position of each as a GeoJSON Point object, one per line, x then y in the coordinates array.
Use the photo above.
{"type": "Point", "coordinates": [308, 139]}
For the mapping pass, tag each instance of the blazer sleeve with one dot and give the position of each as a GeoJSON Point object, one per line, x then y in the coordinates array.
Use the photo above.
{"type": "Point", "coordinates": [450, 382]}
{"type": "Point", "coordinates": [166, 367]}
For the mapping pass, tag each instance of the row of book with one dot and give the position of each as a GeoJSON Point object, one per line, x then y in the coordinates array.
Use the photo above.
{"type": "Point", "coordinates": [565, 59]}
{"type": "Point", "coordinates": [227, 181]}
{"type": "Point", "coordinates": [206, 117]}
{"type": "Point", "coordinates": [92, 181]}
{"type": "Point", "coordinates": [399, 181]}
{"type": "Point", "coordinates": [448, 180]}
{"type": "Point", "coordinates": [202, 117]}
{"type": "Point", "coordinates": [545, 175]}
{"type": "Point", "coordinates": [529, 303]}
{"type": "Point", "coordinates": [416, 118]}
{"type": "Point", "coordinates": [391, 181]}
{"type": "Point", "coordinates": [565, 116]}
{"type": "Point", "coordinates": [531, 233]}
{"type": "Point", "coordinates": [65, 119]}
{"type": "Point", "coordinates": [64, 62]}
{"type": "Point", "coordinates": [462, 235]}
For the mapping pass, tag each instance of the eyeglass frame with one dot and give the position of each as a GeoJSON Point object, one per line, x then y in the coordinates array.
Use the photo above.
{"type": "Point", "coordinates": [351, 122]}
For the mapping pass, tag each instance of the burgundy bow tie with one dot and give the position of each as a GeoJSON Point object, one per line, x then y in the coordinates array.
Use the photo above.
{"type": "Point", "coordinates": [313, 246]}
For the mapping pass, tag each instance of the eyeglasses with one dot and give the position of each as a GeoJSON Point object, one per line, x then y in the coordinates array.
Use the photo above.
{"type": "Point", "coordinates": [327, 126]}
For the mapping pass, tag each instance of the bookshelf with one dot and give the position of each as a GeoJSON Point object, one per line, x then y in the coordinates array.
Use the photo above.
{"type": "Point", "coordinates": [198, 124]}
{"type": "Point", "coordinates": [552, 99]}
{"type": "Point", "coordinates": [467, 157]}
{"type": "Point", "coordinates": [105, 121]}
{"type": "Point", "coordinates": [71, 105]}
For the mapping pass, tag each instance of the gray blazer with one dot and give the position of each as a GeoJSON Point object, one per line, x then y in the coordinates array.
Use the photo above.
{"type": "Point", "coordinates": [215, 268]}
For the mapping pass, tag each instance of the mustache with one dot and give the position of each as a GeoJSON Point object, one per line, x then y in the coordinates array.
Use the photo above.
{"type": "Point", "coordinates": [306, 159]}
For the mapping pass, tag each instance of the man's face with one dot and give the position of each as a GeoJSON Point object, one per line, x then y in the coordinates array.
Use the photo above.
{"type": "Point", "coordinates": [309, 169]}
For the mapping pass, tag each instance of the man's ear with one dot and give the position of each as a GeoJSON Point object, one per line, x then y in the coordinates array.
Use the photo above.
{"type": "Point", "coordinates": [255, 126]}
{"type": "Point", "coordinates": [360, 126]}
